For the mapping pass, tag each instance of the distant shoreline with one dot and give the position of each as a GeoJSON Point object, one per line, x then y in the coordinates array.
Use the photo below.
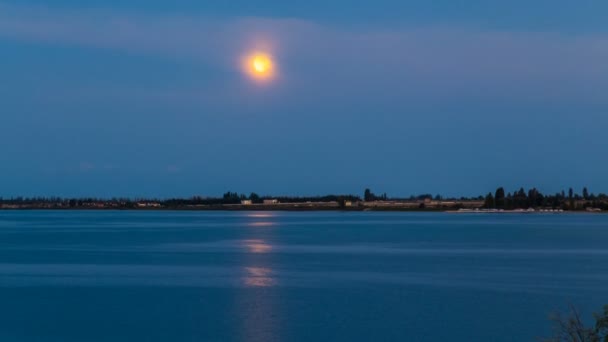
{"type": "Point", "coordinates": [532, 201]}
{"type": "Point", "coordinates": [305, 208]}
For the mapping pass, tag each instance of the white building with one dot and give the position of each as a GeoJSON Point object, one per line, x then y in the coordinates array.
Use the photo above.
{"type": "Point", "coordinates": [271, 201]}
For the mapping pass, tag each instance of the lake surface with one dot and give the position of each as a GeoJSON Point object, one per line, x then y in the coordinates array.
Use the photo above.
{"type": "Point", "coordinates": [243, 276]}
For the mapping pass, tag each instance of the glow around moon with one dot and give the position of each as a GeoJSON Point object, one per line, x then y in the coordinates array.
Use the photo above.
{"type": "Point", "coordinates": [259, 66]}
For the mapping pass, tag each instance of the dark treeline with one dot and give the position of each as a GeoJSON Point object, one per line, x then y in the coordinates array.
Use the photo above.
{"type": "Point", "coordinates": [499, 199]}
{"type": "Point", "coordinates": [533, 198]}
{"type": "Point", "coordinates": [227, 198]}
{"type": "Point", "coordinates": [236, 198]}
{"type": "Point", "coordinates": [368, 195]}
{"type": "Point", "coordinates": [70, 202]}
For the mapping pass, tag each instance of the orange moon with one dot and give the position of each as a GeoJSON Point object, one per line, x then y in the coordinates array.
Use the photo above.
{"type": "Point", "coordinates": [259, 66]}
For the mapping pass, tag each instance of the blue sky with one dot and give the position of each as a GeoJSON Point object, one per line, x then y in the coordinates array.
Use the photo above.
{"type": "Point", "coordinates": [146, 98]}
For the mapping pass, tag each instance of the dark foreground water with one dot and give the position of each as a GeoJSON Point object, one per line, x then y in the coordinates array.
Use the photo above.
{"type": "Point", "coordinates": [220, 276]}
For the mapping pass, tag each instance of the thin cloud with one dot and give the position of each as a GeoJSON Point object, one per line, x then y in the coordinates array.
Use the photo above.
{"type": "Point", "coordinates": [173, 169]}
{"type": "Point", "coordinates": [110, 167]}
{"type": "Point", "coordinates": [439, 61]}
{"type": "Point", "coordinates": [86, 166]}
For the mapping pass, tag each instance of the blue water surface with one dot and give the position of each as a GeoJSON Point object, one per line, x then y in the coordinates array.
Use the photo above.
{"type": "Point", "coordinates": [312, 276]}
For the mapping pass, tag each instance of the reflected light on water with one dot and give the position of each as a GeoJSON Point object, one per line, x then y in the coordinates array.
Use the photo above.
{"type": "Point", "coordinates": [259, 277]}
{"type": "Point", "coordinates": [258, 246]}
{"type": "Point", "coordinates": [260, 215]}
{"type": "Point", "coordinates": [261, 224]}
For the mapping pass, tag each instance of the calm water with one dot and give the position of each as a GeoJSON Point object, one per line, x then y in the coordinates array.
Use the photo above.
{"type": "Point", "coordinates": [219, 276]}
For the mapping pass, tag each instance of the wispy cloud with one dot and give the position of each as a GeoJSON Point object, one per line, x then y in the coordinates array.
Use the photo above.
{"type": "Point", "coordinates": [86, 166]}
{"type": "Point", "coordinates": [110, 167]}
{"type": "Point", "coordinates": [359, 61]}
{"type": "Point", "coordinates": [173, 169]}
{"type": "Point", "coordinates": [175, 36]}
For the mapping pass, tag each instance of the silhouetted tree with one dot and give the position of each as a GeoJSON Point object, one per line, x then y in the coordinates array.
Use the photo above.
{"type": "Point", "coordinates": [509, 201]}
{"type": "Point", "coordinates": [535, 198]}
{"type": "Point", "coordinates": [571, 198]}
{"type": "Point", "coordinates": [572, 329]}
{"type": "Point", "coordinates": [231, 198]}
{"type": "Point", "coordinates": [489, 202]}
{"type": "Point", "coordinates": [369, 196]}
{"type": "Point", "coordinates": [520, 200]}
{"type": "Point", "coordinates": [499, 198]}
